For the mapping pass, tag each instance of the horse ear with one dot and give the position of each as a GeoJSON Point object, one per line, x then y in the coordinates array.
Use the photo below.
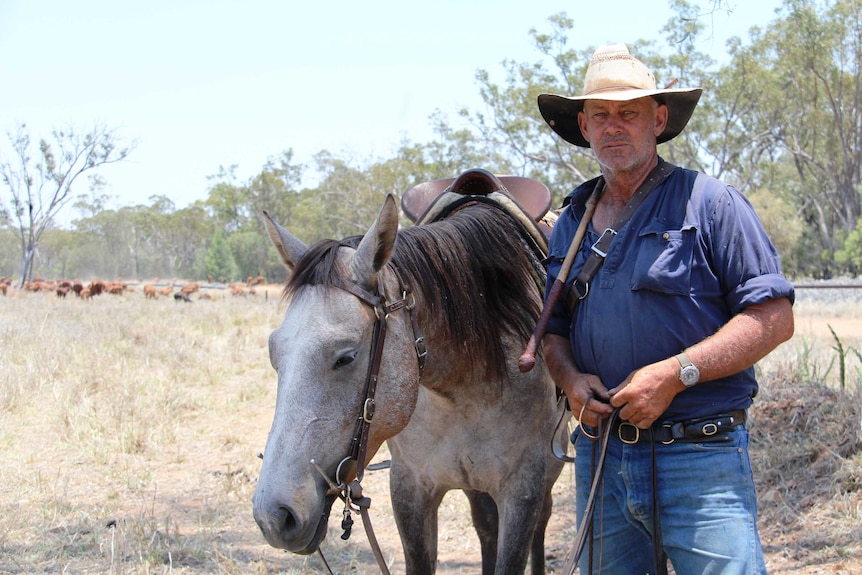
{"type": "Point", "coordinates": [376, 246]}
{"type": "Point", "coordinates": [289, 247]}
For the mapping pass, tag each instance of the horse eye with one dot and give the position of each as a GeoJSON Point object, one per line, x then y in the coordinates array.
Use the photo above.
{"type": "Point", "coordinates": [344, 360]}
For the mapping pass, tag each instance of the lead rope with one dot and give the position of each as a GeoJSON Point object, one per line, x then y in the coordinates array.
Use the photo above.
{"type": "Point", "coordinates": [325, 563]}
{"type": "Point", "coordinates": [591, 542]}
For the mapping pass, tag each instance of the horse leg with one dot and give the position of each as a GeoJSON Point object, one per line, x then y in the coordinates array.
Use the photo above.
{"type": "Point", "coordinates": [483, 511]}
{"type": "Point", "coordinates": [414, 507]}
{"type": "Point", "coordinates": [537, 548]}
{"type": "Point", "coordinates": [520, 509]}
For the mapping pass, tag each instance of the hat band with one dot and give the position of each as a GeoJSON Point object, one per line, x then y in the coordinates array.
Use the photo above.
{"type": "Point", "coordinates": [616, 88]}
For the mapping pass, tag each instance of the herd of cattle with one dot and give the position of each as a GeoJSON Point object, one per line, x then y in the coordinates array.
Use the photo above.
{"type": "Point", "coordinates": [151, 290]}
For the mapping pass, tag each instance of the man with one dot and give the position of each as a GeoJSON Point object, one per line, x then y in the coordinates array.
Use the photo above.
{"type": "Point", "coordinates": [688, 297]}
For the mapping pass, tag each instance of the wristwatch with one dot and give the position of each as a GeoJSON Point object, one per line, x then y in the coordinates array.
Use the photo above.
{"type": "Point", "coordinates": [688, 372]}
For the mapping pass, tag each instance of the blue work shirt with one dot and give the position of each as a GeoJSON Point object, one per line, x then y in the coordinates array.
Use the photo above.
{"type": "Point", "coordinates": [675, 273]}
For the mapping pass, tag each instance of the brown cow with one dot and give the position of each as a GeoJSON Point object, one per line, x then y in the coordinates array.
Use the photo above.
{"type": "Point", "coordinates": [150, 292]}
{"type": "Point", "coordinates": [96, 287]}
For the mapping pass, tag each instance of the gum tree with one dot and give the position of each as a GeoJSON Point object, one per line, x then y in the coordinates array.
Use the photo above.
{"type": "Point", "coordinates": [40, 181]}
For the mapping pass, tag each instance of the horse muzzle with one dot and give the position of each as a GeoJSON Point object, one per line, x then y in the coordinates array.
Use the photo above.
{"type": "Point", "coordinates": [286, 527]}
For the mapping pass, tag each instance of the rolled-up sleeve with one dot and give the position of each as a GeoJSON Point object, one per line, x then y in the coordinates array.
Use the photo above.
{"type": "Point", "coordinates": [759, 290]}
{"type": "Point", "coordinates": [746, 260]}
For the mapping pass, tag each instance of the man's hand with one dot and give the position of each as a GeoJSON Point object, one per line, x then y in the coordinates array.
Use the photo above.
{"type": "Point", "coordinates": [588, 397]}
{"type": "Point", "coordinates": [647, 392]}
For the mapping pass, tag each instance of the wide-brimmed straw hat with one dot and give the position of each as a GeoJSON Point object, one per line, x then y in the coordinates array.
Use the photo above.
{"type": "Point", "coordinates": [614, 74]}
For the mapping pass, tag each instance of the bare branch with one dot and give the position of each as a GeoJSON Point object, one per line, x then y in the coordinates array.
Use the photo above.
{"type": "Point", "coordinates": [40, 188]}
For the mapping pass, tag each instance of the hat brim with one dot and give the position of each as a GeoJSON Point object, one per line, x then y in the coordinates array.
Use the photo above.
{"type": "Point", "coordinates": [561, 112]}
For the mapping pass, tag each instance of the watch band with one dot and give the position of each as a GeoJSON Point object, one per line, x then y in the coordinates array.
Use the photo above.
{"type": "Point", "coordinates": [689, 374]}
{"type": "Point", "coordinates": [683, 360]}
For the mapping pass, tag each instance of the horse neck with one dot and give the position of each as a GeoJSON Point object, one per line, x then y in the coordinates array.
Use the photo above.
{"type": "Point", "coordinates": [447, 369]}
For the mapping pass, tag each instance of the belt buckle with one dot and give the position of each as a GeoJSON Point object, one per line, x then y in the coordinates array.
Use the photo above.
{"type": "Point", "coordinates": [625, 440]}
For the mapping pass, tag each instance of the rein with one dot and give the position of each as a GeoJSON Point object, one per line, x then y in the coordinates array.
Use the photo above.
{"type": "Point", "coordinates": [351, 493]}
{"type": "Point", "coordinates": [585, 529]}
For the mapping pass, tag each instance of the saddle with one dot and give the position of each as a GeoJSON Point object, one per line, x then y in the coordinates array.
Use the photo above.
{"type": "Point", "coordinates": [525, 199]}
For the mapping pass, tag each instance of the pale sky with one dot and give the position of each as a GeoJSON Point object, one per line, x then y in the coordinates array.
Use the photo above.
{"type": "Point", "coordinates": [201, 84]}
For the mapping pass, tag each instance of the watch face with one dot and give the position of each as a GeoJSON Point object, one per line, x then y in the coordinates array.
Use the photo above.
{"type": "Point", "coordinates": [689, 375]}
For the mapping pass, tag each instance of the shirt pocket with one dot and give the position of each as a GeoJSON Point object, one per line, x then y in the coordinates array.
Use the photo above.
{"type": "Point", "coordinates": [664, 259]}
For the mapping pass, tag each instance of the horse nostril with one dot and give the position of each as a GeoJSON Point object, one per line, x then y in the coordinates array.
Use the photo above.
{"type": "Point", "coordinates": [285, 519]}
{"type": "Point", "coordinates": [276, 521]}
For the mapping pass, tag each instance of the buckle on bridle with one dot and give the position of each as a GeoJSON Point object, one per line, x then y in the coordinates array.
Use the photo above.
{"type": "Point", "coordinates": [628, 440]}
{"type": "Point", "coordinates": [368, 410]}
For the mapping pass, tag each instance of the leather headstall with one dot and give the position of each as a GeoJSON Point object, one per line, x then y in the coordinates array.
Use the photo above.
{"type": "Point", "coordinates": [352, 493]}
{"type": "Point", "coordinates": [378, 338]}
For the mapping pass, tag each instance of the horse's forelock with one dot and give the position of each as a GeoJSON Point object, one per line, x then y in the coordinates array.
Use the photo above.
{"type": "Point", "coordinates": [318, 265]}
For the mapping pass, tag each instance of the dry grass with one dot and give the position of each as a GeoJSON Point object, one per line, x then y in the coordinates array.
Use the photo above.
{"type": "Point", "coordinates": [130, 428]}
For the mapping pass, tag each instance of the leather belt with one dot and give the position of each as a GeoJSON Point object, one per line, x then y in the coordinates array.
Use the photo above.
{"type": "Point", "coordinates": [697, 430]}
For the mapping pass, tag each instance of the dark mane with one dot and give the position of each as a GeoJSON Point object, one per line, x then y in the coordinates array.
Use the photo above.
{"type": "Point", "coordinates": [473, 272]}
{"type": "Point", "coordinates": [317, 266]}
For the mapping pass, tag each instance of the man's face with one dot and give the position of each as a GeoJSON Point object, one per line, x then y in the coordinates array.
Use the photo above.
{"type": "Point", "coordinates": [623, 134]}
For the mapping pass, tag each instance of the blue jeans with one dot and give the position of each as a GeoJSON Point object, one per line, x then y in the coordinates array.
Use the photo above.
{"type": "Point", "coordinates": [706, 499]}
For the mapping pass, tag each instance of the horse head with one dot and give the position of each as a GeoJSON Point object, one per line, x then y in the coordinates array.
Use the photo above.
{"type": "Point", "coordinates": [321, 353]}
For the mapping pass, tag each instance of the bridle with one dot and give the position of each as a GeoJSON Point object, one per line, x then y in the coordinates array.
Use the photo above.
{"type": "Point", "coordinates": [351, 493]}
{"type": "Point", "coordinates": [378, 338]}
